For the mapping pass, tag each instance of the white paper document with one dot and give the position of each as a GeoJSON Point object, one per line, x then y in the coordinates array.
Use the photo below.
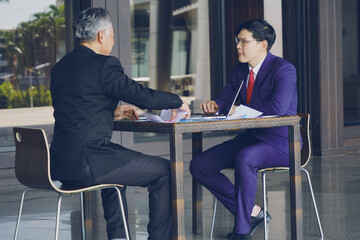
{"type": "Point", "coordinates": [165, 116]}
{"type": "Point", "coordinates": [243, 111]}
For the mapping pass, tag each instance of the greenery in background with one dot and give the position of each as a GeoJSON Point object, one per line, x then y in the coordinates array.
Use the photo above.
{"type": "Point", "coordinates": [31, 44]}
{"type": "Point", "coordinates": [10, 98]}
{"type": "Point", "coordinates": [6, 95]}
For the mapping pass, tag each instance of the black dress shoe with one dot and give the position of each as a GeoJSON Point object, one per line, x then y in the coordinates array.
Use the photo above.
{"type": "Point", "coordinates": [259, 219]}
{"type": "Point", "coordinates": [255, 222]}
{"type": "Point", "coordinates": [240, 237]}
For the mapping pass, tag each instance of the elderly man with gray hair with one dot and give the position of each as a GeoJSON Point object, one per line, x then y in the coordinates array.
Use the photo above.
{"type": "Point", "coordinates": [86, 86]}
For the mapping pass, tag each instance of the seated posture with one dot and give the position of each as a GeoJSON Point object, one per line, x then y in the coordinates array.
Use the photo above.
{"type": "Point", "coordinates": [270, 88]}
{"type": "Point", "coordinates": [86, 86]}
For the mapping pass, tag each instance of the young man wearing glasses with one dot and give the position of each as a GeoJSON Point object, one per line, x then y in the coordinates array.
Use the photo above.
{"type": "Point", "coordinates": [270, 88]}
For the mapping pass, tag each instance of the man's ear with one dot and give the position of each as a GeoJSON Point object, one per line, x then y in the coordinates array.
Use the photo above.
{"type": "Point", "coordinates": [100, 36]}
{"type": "Point", "coordinates": [264, 45]}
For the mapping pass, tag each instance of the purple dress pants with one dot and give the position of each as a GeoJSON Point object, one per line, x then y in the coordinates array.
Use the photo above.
{"type": "Point", "coordinates": [246, 155]}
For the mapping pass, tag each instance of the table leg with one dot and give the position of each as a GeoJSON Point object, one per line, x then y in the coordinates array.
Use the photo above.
{"type": "Point", "coordinates": [177, 179]}
{"type": "Point", "coordinates": [89, 215]}
{"type": "Point", "coordinates": [295, 183]}
{"type": "Point", "coordinates": [197, 191]}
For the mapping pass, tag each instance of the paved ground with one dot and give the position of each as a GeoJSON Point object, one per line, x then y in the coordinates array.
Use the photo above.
{"type": "Point", "coordinates": [335, 181]}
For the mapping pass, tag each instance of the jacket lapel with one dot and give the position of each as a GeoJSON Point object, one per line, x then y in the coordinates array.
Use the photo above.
{"type": "Point", "coordinates": [261, 77]}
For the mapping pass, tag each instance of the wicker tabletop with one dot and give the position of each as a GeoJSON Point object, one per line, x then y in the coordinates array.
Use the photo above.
{"type": "Point", "coordinates": [196, 127]}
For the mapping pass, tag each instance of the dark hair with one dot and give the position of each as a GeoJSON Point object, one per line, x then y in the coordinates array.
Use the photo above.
{"type": "Point", "coordinates": [90, 21]}
{"type": "Point", "coordinates": [260, 29]}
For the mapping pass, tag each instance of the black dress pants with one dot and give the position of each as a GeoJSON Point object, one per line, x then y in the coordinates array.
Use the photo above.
{"type": "Point", "coordinates": [144, 171]}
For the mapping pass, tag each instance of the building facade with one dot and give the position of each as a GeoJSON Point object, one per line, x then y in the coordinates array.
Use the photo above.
{"type": "Point", "coordinates": [187, 47]}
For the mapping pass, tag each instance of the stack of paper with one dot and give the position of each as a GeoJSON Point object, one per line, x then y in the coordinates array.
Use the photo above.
{"type": "Point", "coordinates": [243, 111]}
{"type": "Point", "coordinates": [165, 116]}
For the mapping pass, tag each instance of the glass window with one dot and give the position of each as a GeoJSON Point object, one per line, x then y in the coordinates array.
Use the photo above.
{"type": "Point", "coordinates": [140, 42]}
{"type": "Point", "coordinates": [32, 40]}
{"type": "Point", "coordinates": [164, 41]}
{"type": "Point", "coordinates": [170, 48]}
{"type": "Point", "coordinates": [351, 61]}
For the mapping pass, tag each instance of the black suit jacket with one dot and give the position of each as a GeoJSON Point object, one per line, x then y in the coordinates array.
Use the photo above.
{"type": "Point", "coordinates": [85, 89]}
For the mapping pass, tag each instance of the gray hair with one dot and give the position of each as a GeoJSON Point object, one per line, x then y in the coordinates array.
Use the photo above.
{"type": "Point", "coordinates": [89, 22]}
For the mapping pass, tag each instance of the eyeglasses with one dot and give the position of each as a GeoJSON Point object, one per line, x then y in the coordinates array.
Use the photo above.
{"type": "Point", "coordinates": [242, 41]}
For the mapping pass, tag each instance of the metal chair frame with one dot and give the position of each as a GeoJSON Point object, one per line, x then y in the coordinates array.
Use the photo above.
{"type": "Point", "coordinates": [32, 168]}
{"type": "Point", "coordinates": [305, 158]}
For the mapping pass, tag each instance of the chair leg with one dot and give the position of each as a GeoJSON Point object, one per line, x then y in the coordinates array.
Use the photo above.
{"type": "Point", "coordinates": [58, 217]}
{"type": "Point", "coordinates": [123, 213]}
{"type": "Point", "coordinates": [82, 215]}
{"type": "Point", "coordinates": [20, 212]}
{"type": "Point", "coordinates": [314, 202]}
{"type": "Point", "coordinates": [213, 219]}
{"type": "Point", "coordinates": [266, 230]}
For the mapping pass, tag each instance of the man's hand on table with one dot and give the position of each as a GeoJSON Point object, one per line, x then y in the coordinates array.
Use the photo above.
{"type": "Point", "coordinates": [209, 107]}
{"type": "Point", "coordinates": [125, 111]}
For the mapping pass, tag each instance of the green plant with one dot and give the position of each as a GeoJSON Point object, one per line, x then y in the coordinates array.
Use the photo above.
{"type": "Point", "coordinates": [6, 94]}
{"type": "Point", "coordinates": [41, 96]}
{"type": "Point", "coordinates": [18, 100]}
{"type": "Point", "coordinates": [10, 98]}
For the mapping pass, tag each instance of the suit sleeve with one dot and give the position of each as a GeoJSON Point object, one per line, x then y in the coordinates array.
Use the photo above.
{"type": "Point", "coordinates": [283, 90]}
{"type": "Point", "coordinates": [117, 84]}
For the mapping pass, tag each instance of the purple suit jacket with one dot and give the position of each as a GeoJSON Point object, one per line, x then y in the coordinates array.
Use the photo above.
{"type": "Point", "coordinates": [274, 93]}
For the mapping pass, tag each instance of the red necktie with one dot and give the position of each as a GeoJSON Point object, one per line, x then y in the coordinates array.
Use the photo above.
{"type": "Point", "coordinates": [250, 86]}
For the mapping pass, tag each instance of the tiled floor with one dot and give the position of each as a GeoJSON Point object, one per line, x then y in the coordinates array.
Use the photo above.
{"type": "Point", "coordinates": [336, 182]}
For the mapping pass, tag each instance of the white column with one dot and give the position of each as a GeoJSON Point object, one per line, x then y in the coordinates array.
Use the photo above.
{"type": "Point", "coordinates": [273, 15]}
{"type": "Point", "coordinates": [202, 81]}
{"type": "Point", "coordinates": [153, 39]}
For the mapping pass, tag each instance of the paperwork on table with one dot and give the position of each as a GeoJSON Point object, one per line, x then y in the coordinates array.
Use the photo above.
{"type": "Point", "coordinates": [165, 116]}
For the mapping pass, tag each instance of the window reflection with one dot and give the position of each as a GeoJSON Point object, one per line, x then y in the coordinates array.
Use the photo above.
{"type": "Point", "coordinates": [28, 50]}
{"type": "Point", "coordinates": [351, 61]}
{"type": "Point", "coordinates": [32, 40]}
{"type": "Point", "coordinates": [140, 42]}
{"type": "Point", "coordinates": [170, 50]}
{"type": "Point", "coordinates": [166, 50]}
